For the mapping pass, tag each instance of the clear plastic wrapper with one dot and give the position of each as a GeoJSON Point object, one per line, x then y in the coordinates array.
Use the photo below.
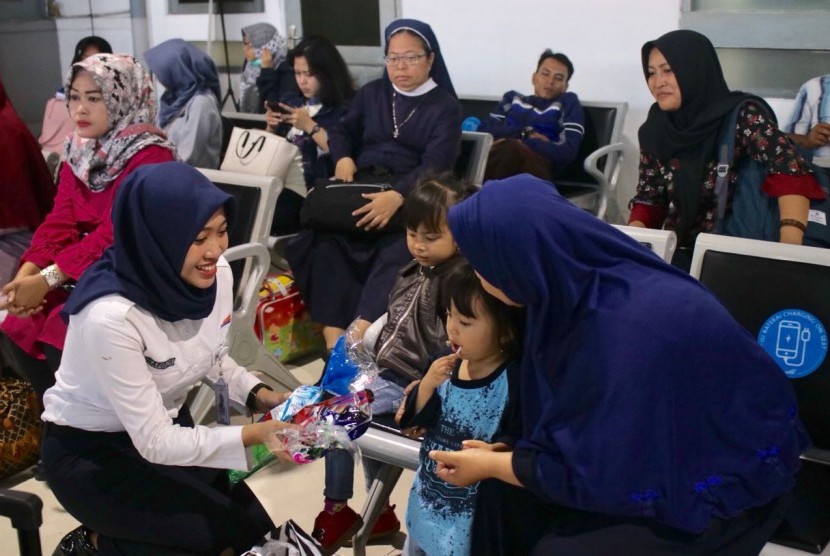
{"type": "Point", "coordinates": [350, 368]}
{"type": "Point", "coordinates": [302, 396]}
{"type": "Point", "coordinates": [311, 441]}
{"type": "Point", "coordinates": [328, 425]}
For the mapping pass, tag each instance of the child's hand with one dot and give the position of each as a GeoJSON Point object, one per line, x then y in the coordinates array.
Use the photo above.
{"type": "Point", "coordinates": [497, 447]}
{"type": "Point", "coordinates": [441, 369]}
{"type": "Point", "coordinates": [402, 407]}
{"type": "Point", "coordinates": [411, 432]}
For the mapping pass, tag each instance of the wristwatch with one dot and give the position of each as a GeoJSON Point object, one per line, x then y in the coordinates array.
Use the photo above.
{"type": "Point", "coordinates": [52, 276]}
{"type": "Point", "coordinates": [314, 130]}
{"type": "Point", "coordinates": [527, 131]}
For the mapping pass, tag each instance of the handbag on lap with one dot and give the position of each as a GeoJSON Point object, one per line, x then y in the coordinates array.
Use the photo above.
{"type": "Point", "coordinates": [329, 205]}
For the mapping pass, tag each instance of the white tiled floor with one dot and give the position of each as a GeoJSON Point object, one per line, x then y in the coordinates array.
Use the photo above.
{"type": "Point", "coordinates": [293, 492]}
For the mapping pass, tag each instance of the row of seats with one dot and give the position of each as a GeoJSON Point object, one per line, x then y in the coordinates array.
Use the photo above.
{"type": "Point", "coordinates": [589, 182]}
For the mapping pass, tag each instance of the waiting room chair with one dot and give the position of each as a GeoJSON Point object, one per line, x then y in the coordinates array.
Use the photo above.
{"type": "Point", "coordinates": [662, 242]}
{"type": "Point", "coordinates": [590, 181]}
{"type": "Point", "coordinates": [472, 160]}
{"type": "Point", "coordinates": [256, 197]}
{"type": "Point", "coordinates": [593, 184]}
{"type": "Point", "coordinates": [26, 513]}
{"type": "Point", "coordinates": [779, 293]}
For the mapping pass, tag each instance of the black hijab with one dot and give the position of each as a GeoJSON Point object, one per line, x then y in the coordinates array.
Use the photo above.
{"type": "Point", "coordinates": [689, 133]}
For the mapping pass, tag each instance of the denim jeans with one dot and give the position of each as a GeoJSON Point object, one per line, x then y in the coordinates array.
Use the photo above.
{"type": "Point", "coordinates": [340, 464]}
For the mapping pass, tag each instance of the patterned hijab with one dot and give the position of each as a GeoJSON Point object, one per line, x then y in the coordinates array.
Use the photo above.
{"type": "Point", "coordinates": [145, 261]}
{"type": "Point", "coordinates": [261, 36]}
{"type": "Point", "coordinates": [185, 71]}
{"type": "Point", "coordinates": [128, 94]}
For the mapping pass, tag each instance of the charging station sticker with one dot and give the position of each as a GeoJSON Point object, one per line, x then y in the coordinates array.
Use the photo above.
{"type": "Point", "coordinates": [797, 341]}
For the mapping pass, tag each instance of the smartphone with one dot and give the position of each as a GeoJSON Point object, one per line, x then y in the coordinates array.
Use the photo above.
{"type": "Point", "coordinates": [788, 337]}
{"type": "Point", "coordinates": [275, 107]}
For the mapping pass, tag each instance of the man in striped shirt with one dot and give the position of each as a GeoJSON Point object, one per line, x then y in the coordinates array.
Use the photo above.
{"type": "Point", "coordinates": [539, 133]}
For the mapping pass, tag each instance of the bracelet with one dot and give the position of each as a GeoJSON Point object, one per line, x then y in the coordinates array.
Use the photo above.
{"type": "Point", "coordinates": [52, 276]}
{"type": "Point", "coordinates": [314, 130]}
{"type": "Point", "coordinates": [793, 222]}
{"type": "Point", "coordinates": [250, 402]}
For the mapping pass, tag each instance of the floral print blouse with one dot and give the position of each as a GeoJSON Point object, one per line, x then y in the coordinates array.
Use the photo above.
{"type": "Point", "coordinates": [757, 136]}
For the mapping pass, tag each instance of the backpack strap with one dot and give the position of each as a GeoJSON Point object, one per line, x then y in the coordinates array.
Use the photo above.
{"type": "Point", "coordinates": [725, 156]}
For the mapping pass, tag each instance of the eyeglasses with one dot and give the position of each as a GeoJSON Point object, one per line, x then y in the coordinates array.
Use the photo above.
{"type": "Point", "coordinates": [408, 59]}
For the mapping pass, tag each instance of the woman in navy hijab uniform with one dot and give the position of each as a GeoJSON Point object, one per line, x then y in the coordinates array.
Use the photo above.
{"type": "Point", "coordinates": [653, 422]}
{"type": "Point", "coordinates": [147, 323]}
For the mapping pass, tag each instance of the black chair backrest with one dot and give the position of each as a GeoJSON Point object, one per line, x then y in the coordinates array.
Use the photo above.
{"type": "Point", "coordinates": [462, 163]}
{"type": "Point", "coordinates": [477, 107]}
{"type": "Point", "coordinates": [754, 289]}
{"type": "Point", "coordinates": [599, 129]}
{"type": "Point", "coordinates": [241, 228]}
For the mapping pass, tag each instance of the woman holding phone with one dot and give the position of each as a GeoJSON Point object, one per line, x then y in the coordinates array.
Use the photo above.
{"type": "Point", "coordinates": [326, 88]}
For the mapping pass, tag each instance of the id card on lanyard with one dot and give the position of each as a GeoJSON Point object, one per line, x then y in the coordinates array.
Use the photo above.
{"type": "Point", "coordinates": [220, 388]}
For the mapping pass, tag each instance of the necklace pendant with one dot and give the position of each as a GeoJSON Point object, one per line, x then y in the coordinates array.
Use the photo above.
{"type": "Point", "coordinates": [395, 134]}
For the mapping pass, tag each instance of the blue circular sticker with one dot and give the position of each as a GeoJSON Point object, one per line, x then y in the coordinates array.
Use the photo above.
{"type": "Point", "coordinates": [796, 340]}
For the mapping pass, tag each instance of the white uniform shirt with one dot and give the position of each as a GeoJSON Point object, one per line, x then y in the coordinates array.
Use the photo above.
{"type": "Point", "coordinates": [124, 369]}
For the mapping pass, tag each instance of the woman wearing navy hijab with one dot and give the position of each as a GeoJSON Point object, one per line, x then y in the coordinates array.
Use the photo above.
{"type": "Point", "coordinates": [147, 323]}
{"type": "Point", "coordinates": [189, 110]}
{"type": "Point", "coordinates": [653, 422]}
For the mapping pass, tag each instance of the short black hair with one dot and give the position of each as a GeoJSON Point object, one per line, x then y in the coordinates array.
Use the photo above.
{"type": "Point", "coordinates": [328, 66]}
{"type": "Point", "coordinates": [428, 203]}
{"type": "Point", "coordinates": [461, 288]}
{"type": "Point", "coordinates": [98, 42]}
{"type": "Point", "coordinates": [558, 56]}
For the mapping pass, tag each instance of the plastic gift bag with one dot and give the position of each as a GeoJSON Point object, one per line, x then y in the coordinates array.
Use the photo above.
{"type": "Point", "coordinates": [282, 322]}
{"type": "Point", "coordinates": [331, 424]}
{"type": "Point", "coordinates": [350, 367]}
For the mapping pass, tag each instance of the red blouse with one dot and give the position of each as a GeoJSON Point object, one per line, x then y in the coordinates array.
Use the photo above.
{"type": "Point", "coordinates": [73, 236]}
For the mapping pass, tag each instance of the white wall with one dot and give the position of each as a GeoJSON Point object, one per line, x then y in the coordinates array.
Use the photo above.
{"type": "Point", "coordinates": [492, 46]}
{"type": "Point", "coordinates": [194, 27]}
{"type": "Point", "coordinates": [111, 21]}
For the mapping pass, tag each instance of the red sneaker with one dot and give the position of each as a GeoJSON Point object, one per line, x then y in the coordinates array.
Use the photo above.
{"type": "Point", "coordinates": [386, 525]}
{"type": "Point", "coordinates": [333, 530]}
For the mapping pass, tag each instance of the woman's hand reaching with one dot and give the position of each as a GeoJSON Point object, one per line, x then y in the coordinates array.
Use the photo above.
{"type": "Point", "coordinates": [472, 465]}
{"type": "Point", "coordinates": [267, 400]}
{"type": "Point", "coordinates": [345, 169]}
